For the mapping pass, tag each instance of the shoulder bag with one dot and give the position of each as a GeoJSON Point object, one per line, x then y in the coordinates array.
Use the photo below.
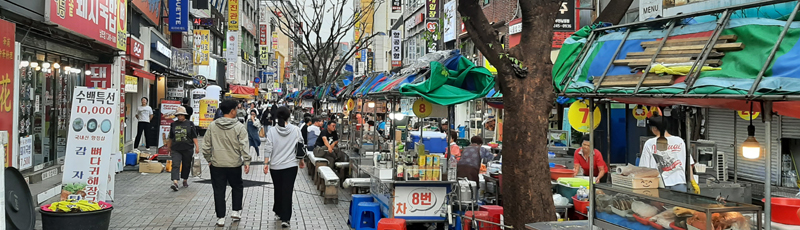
{"type": "Point", "coordinates": [300, 147]}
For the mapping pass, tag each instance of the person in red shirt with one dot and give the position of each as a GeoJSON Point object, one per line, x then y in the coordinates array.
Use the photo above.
{"type": "Point", "coordinates": [582, 161]}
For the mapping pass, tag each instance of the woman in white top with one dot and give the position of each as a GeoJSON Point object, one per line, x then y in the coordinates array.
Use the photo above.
{"type": "Point", "coordinates": [281, 157]}
{"type": "Point", "coordinates": [672, 162]}
{"type": "Point", "coordinates": [144, 116]}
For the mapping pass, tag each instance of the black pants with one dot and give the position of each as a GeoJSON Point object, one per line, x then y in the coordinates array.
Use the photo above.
{"type": "Point", "coordinates": [284, 186]}
{"type": "Point", "coordinates": [178, 157]}
{"type": "Point", "coordinates": [143, 129]}
{"type": "Point", "coordinates": [220, 178]}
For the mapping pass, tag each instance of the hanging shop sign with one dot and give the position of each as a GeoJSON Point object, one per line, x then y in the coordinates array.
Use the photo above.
{"type": "Point", "coordinates": [578, 116]}
{"type": "Point", "coordinates": [232, 50]}
{"type": "Point", "coordinates": [262, 35]}
{"type": "Point", "coordinates": [181, 61]}
{"type": "Point", "coordinates": [122, 24]}
{"type": "Point", "coordinates": [397, 6]}
{"type": "Point", "coordinates": [746, 115]}
{"type": "Point", "coordinates": [233, 15]}
{"type": "Point", "coordinates": [207, 22]}
{"type": "Point", "coordinates": [89, 146]}
{"type": "Point", "coordinates": [131, 84]}
{"type": "Point", "coordinates": [95, 19]}
{"type": "Point", "coordinates": [274, 40]}
{"type": "Point", "coordinates": [202, 47]}
{"type": "Point", "coordinates": [100, 76]}
{"type": "Point", "coordinates": [149, 8]}
{"type": "Point", "coordinates": [414, 201]}
{"type": "Point", "coordinates": [422, 108]}
{"type": "Point", "coordinates": [449, 26]}
{"type": "Point", "coordinates": [163, 49]}
{"type": "Point", "coordinates": [650, 9]}
{"type": "Point", "coordinates": [168, 109]}
{"type": "Point", "coordinates": [397, 48]}
{"type": "Point", "coordinates": [370, 61]}
{"type": "Point", "coordinates": [432, 8]}
{"type": "Point", "coordinates": [565, 24]}
{"type": "Point", "coordinates": [641, 112]}
{"type": "Point", "coordinates": [135, 50]}
{"type": "Point", "coordinates": [179, 15]}
{"type": "Point", "coordinates": [231, 70]}
{"type": "Point", "coordinates": [263, 55]}
{"type": "Point", "coordinates": [7, 90]}
{"type": "Point", "coordinates": [25, 152]}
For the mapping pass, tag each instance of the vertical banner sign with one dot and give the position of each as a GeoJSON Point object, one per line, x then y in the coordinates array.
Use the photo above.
{"type": "Point", "coordinates": [432, 25]}
{"type": "Point", "coordinates": [262, 35]}
{"type": "Point", "coordinates": [370, 61]}
{"type": "Point", "coordinates": [449, 26]}
{"type": "Point", "coordinates": [178, 15]}
{"type": "Point", "coordinates": [202, 47]}
{"type": "Point", "coordinates": [397, 48]}
{"type": "Point", "coordinates": [231, 71]}
{"type": "Point", "coordinates": [122, 24]}
{"type": "Point", "coordinates": [263, 54]}
{"type": "Point", "coordinates": [25, 152]}
{"type": "Point", "coordinates": [100, 77]}
{"type": "Point", "coordinates": [565, 23]}
{"type": "Point", "coordinates": [89, 145]}
{"type": "Point", "coordinates": [432, 9]}
{"type": "Point", "coordinates": [397, 6]}
{"type": "Point", "coordinates": [197, 95]}
{"type": "Point", "coordinates": [96, 19]}
{"type": "Point", "coordinates": [7, 90]}
{"type": "Point", "coordinates": [274, 40]}
{"type": "Point", "coordinates": [233, 46]}
{"type": "Point", "coordinates": [233, 15]}
{"type": "Point", "coordinates": [168, 109]}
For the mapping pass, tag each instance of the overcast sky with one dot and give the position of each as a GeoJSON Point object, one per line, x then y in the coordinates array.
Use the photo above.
{"type": "Point", "coordinates": [325, 32]}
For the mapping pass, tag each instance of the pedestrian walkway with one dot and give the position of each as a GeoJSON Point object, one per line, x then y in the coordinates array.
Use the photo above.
{"type": "Point", "coordinates": [145, 201]}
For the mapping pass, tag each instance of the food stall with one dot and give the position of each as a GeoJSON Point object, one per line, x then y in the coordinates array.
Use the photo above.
{"type": "Point", "coordinates": [676, 62]}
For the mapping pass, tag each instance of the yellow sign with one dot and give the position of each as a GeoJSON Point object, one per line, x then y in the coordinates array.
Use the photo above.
{"type": "Point", "coordinates": [746, 115]}
{"type": "Point", "coordinates": [422, 108]}
{"type": "Point", "coordinates": [350, 105]}
{"type": "Point", "coordinates": [579, 116]}
{"type": "Point", "coordinates": [233, 15]}
{"type": "Point", "coordinates": [641, 112]}
{"type": "Point", "coordinates": [263, 54]}
{"type": "Point", "coordinates": [274, 40]}
{"type": "Point", "coordinates": [122, 24]}
{"type": "Point", "coordinates": [277, 85]}
{"type": "Point", "coordinates": [208, 109]}
{"type": "Point", "coordinates": [202, 47]}
{"type": "Point", "coordinates": [131, 84]}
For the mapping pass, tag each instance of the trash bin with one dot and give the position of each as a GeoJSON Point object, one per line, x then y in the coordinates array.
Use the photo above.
{"type": "Point", "coordinates": [94, 220]}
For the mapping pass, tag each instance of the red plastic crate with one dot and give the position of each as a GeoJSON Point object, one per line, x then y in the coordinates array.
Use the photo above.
{"type": "Point", "coordinates": [494, 215]}
{"type": "Point", "coordinates": [480, 215]}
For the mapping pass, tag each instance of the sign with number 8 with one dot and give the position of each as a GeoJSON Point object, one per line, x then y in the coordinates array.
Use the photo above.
{"type": "Point", "coordinates": [422, 108]}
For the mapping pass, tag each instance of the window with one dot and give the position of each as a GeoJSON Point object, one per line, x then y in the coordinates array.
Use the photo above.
{"type": "Point", "coordinates": [486, 2]}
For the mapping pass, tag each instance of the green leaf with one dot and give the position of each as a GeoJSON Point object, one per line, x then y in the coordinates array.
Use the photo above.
{"type": "Point", "coordinates": [490, 45]}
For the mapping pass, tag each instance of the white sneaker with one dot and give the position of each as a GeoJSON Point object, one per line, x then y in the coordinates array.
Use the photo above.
{"type": "Point", "coordinates": [235, 215]}
{"type": "Point", "coordinates": [221, 222]}
{"type": "Point", "coordinates": [277, 217]}
{"type": "Point", "coordinates": [285, 225]}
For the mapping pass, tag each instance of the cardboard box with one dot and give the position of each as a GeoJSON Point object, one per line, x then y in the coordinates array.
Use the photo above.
{"type": "Point", "coordinates": [150, 167]}
{"type": "Point", "coordinates": [145, 156]}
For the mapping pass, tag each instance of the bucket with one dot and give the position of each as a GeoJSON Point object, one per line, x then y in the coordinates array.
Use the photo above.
{"type": "Point", "coordinates": [94, 220]}
{"type": "Point", "coordinates": [785, 210]}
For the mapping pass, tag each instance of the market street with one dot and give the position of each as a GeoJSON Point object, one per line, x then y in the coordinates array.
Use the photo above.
{"type": "Point", "coordinates": [145, 201]}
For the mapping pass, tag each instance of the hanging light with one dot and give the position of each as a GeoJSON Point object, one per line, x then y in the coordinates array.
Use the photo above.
{"type": "Point", "coordinates": [24, 63]}
{"type": "Point", "coordinates": [37, 68]}
{"type": "Point", "coordinates": [76, 70]}
{"type": "Point", "coordinates": [56, 65]}
{"type": "Point", "coordinates": [751, 149]}
{"type": "Point", "coordinates": [88, 72]}
{"type": "Point", "coordinates": [371, 104]}
{"type": "Point", "coordinates": [68, 69]}
{"type": "Point", "coordinates": [46, 65]}
{"type": "Point", "coordinates": [34, 64]}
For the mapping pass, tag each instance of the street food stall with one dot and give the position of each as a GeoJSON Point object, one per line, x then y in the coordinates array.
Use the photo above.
{"type": "Point", "coordinates": [672, 61]}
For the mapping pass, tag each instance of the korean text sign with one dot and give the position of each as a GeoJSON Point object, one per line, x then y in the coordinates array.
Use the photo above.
{"type": "Point", "coordinates": [7, 90]}
{"type": "Point", "coordinates": [418, 201]}
{"type": "Point", "coordinates": [96, 19]}
{"type": "Point", "coordinates": [202, 47]}
{"type": "Point", "coordinates": [89, 145]}
{"type": "Point", "coordinates": [233, 15]}
{"type": "Point", "coordinates": [25, 152]}
{"type": "Point", "coordinates": [100, 77]}
{"type": "Point", "coordinates": [179, 15]}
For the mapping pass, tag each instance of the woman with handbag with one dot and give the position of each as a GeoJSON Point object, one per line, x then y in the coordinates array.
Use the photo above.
{"type": "Point", "coordinates": [283, 148]}
{"type": "Point", "coordinates": [253, 131]}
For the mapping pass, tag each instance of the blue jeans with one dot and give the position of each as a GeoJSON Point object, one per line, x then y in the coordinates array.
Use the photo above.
{"type": "Point", "coordinates": [678, 188]}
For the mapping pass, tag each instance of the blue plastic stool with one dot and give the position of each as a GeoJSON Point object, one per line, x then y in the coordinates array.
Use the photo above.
{"type": "Point", "coordinates": [131, 158]}
{"type": "Point", "coordinates": [367, 216]}
{"type": "Point", "coordinates": [357, 199]}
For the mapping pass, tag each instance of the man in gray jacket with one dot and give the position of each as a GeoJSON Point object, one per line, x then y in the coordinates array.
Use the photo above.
{"type": "Point", "coordinates": [225, 147]}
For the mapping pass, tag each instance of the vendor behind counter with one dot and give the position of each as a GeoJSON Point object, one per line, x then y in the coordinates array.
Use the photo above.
{"type": "Point", "coordinates": [582, 162]}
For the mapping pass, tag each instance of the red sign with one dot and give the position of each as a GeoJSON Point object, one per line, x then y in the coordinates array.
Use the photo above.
{"type": "Point", "coordinates": [463, 28]}
{"type": "Point", "coordinates": [7, 90]}
{"type": "Point", "coordinates": [100, 76]}
{"type": "Point", "coordinates": [432, 27]}
{"type": "Point", "coordinates": [559, 37]}
{"type": "Point", "coordinates": [263, 37]}
{"type": "Point", "coordinates": [397, 63]}
{"type": "Point", "coordinates": [96, 19]}
{"type": "Point", "coordinates": [135, 49]}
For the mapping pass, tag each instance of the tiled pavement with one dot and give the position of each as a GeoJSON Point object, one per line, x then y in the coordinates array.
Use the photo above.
{"type": "Point", "coordinates": [145, 201]}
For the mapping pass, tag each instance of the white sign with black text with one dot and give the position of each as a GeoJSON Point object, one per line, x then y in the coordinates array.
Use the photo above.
{"type": "Point", "coordinates": [25, 152]}
{"type": "Point", "coordinates": [397, 46]}
{"type": "Point", "coordinates": [649, 9]}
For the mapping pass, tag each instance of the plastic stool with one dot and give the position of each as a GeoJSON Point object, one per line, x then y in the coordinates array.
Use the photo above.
{"type": "Point", "coordinates": [355, 200]}
{"type": "Point", "coordinates": [367, 216]}
{"type": "Point", "coordinates": [494, 215]}
{"type": "Point", "coordinates": [392, 224]}
{"type": "Point", "coordinates": [131, 158]}
{"type": "Point", "coordinates": [480, 215]}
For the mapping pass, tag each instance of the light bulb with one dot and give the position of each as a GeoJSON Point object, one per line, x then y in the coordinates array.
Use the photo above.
{"type": "Point", "coordinates": [56, 65]}
{"type": "Point", "coordinates": [751, 149]}
{"type": "Point", "coordinates": [34, 64]}
{"type": "Point", "coordinates": [371, 104]}
{"type": "Point", "coordinates": [76, 70]}
{"type": "Point", "coordinates": [38, 68]}
{"type": "Point", "coordinates": [68, 69]}
{"type": "Point", "coordinates": [88, 72]}
{"type": "Point", "coordinates": [24, 64]}
{"type": "Point", "coordinates": [46, 65]}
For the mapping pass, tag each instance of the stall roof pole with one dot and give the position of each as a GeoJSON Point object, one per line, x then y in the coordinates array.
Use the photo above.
{"type": "Point", "coordinates": [614, 57]}
{"type": "Point", "coordinates": [590, 211]}
{"type": "Point", "coordinates": [652, 59]}
{"type": "Point", "coordinates": [694, 72]}
{"type": "Point", "coordinates": [767, 107]}
{"type": "Point", "coordinates": [774, 50]}
{"type": "Point", "coordinates": [574, 67]}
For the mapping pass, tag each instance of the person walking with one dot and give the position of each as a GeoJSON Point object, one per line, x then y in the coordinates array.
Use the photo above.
{"type": "Point", "coordinates": [144, 116]}
{"type": "Point", "coordinates": [282, 162]}
{"type": "Point", "coordinates": [241, 114]}
{"type": "Point", "coordinates": [182, 140]}
{"type": "Point", "coordinates": [253, 126]}
{"type": "Point", "coordinates": [224, 147]}
{"type": "Point", "coordinates": [188, 107]}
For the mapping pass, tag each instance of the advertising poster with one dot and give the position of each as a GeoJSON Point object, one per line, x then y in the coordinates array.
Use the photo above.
{"type": "Point", "coordinates": [197, 94]}
{"type": "Point", "coordinates": [168, 109]}
{"type": "Point", "coordinates": [95, 19]}
{"type": "Point", "coordinates": [7, 90]}
{"type": "Point", "coordinates": [208, 108]}
{"type": "Point", "coordinates": [25, 152]}
{"type": "Point", "coordinates": [89, 145]}
{"type": "Point", "coordinates": [202, 47]}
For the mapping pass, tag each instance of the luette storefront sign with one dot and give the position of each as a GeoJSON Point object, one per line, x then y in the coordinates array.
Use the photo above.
{"type": "Point", "coordinates": [179, 16]}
